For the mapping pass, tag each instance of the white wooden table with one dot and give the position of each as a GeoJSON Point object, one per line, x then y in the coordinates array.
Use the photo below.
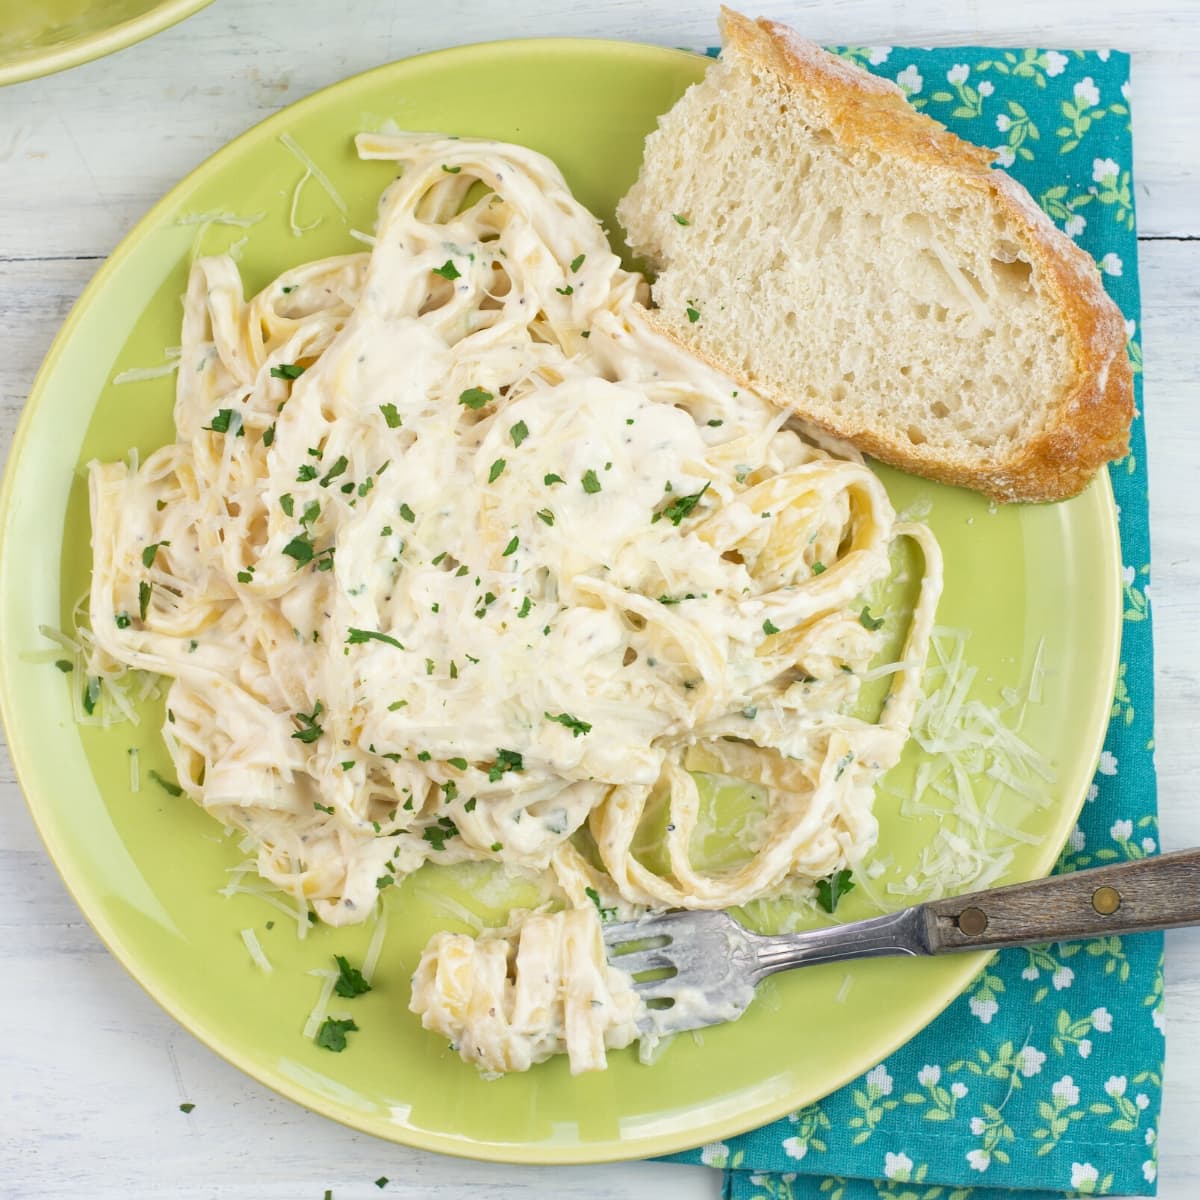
{"type": "Point", "coordinates": [91, 1070]}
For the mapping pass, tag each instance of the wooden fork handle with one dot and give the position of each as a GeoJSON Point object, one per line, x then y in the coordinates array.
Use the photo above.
{"type": "Point", "coordinates": [1151, 893]}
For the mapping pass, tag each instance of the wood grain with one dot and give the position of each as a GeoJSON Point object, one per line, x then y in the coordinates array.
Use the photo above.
{"type": "Point", "coordinates": [92, 1072]}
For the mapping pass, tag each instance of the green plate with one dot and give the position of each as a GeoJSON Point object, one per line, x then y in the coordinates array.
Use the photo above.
{"type": "Point", "coordinates": [145, 867]}
{"type": "Point", "coordinates": [39, 37]}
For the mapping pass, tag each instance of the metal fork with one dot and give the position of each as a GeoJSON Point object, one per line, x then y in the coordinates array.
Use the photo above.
{"type": "Point", "coordinates": [714, 963]}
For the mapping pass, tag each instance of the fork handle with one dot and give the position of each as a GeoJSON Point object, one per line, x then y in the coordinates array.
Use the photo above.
{"type": "Point", "coordinates": [1151, 893]}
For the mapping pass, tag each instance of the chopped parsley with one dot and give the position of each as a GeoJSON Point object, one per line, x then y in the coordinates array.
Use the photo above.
{"type": "Point", "coordinates": [574, 724]}
{"type": "Point", "coordinates": [591, 484]}
{"type": "Point", "coordinates": [546, 515]}
{"type": "Point", "coordinates": [831, 890]}
{"type": "Point", "coordinates": [350, 981]}
{"type": "Point", "coordinates": [246, 576]}
{"type": "Point", "coordinates": [451, 170]}
{"type": "Point", "coordinates": [407, 514]}
{"type": "Point", "coordinates": [301, 549]}
{"type": "Point", "coordinates": [172, 789]}
{"type": "Point", "coordinates": [438, 835]}
{"type": "Point", "coordinates": [693, 314]}
{"type": "Point", "coordinates": [382, 1181]}
{"type": "Point", "coordinates": [385, 881]}
{"type": "Point", "coordinates": [680, 507]}
{"type": "Point", "coordinates": [511, 548]}
{"type": "Point", "coordinates": [447, 270]}
{"type": "Point", "coordinates": [123, 620]}
{"type": "Point", "coordinates": [227, 420]}
{"type": "Point", "coordinates": [64, 665]}
{"type": "Point", "coordinates": [424, 756]}
{"type": "Point", "coordinates": [268, 437]}
{"type": "Point", "coordinates": [519, 432]}
{"type": "Point", "coordinates": [325, 808]}
{"type": "Point", "coordinates": [869, 622]}
{"type": "Point", "coordinates": [565, 291]}
{"type": "Point", "coordinates": [390, 415]}
{"type": "Point", "coordinates": [287, 504]}
{"type": "Point", "coordinates": [358, 636]}
{"type": "Point", "coordinates": [818, 568]}
{"type": "Point", "coordinates": [144, 590]}
{"type": "Point", "coordinates": [186, 1107]}
{"type": "Point", "coordinates": [150, 552]}
{"type": "Point", "coordinates": [309, 730]}
{"type": "Point", "coordinates": [91, 694]}
{"type": "Point", "coordinates": [287, 371]}
{"type": "Point", "coordinates": [506, 760]}
{"type": "Point", "coordinates": [769, 627]}
{"type": "Point", "coordinates": [338, 468]}
{"type": "Point", "coordinates": [497, 470]}
{"type": "Point", "coordinates": [526, 605]}
{"type": "Point", "coordinates": [307, 472]}
{"type": "Point", "coordinates": [459, 763]}
{"type": "Point", "coordinates": [594, 897]}
{"type": "Point", "coordinates": [397, 704]}
{"type": "Point", "coordinates": [475, 398]}
{"type": "Point", "coordinates": [332, 1034]}
{"type": "Point", "coordinates": [680, 219]}
{"type": "Point", "coordinates": [548, 480]}
{"type": "Point", "coordinates": [577, 261]}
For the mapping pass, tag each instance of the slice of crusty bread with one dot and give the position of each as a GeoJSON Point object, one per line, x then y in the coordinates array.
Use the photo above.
{"type": "Point", "coordinates": [850, 258]}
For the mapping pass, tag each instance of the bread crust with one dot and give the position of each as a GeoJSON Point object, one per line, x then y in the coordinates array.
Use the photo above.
{"type": "Point", "coordinates": [1090, 419]}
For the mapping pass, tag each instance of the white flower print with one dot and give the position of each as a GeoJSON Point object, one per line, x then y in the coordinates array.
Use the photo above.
{"type": "Point", "coordinates": [1128, 575]}
{"type": "Point", "coordinates": [1062, 978]}
{"type": "Point", "coordinates": [1108, 763]}
{"type": "Point", "coordinates": [715, 1154]}
{"type": "Point", "coordinates": [928, 1076]}
{"type": "Point", "coordinates": [958, 73]}
{"type": "Point", "coordinates": [1149, 845]}
{"type": "Point", "coordinates": [1086, 92]}
{"type": "Point", "coordinates": [1055, 63]}
{"type": "Point", "coordinates": [1130, 328]}
{"type": "Point", "coordinates": [897, 1166]}
{"type": "Point", "coordinates": [1005, 156]}
{"type": "Point", "coordinates": [1102, 55]}
{"type": "Point", "coordinates": [1066, 1091]}
{"type": "Point", "coordinates": [879, 1079]}
{"type": "Point", "coordinates": [910, 80]}
{"type": "Point", "coordinates": [879, 54]}
{"type": "Point", "coordinates": [1031, 1061]}
{"type": "Point", "coordinates": [1149, 1170]}
{"type": "Point", "coordinates": [1084, 1047]}
{"type": "Point", "coordinates": [1159, 1020]}
{"type": "Point", "coordinates": [1003, 122]}
{"type": "Point", "coordinates": [977, 1125]}
{"type": "Point", "coordinates": [986, 88]}
{"type": "Point", "coordinates": [1104, 168]}
{"type": "Point", "coordinates": [1121, 831]}
{"type": "Point", "coordinates": [1083, 1175]}
{"type": "Point", "coordinates": [1127, 89]}
{"type": "Point", "coordinates": [1115, 1085]}
{"type": "Point", "coordinates": [1150, 1137]}
{"type": "Point", "coordinates": [1111, 264]}
{"type": "Point", "coordinates": [1030, 973]}
{"type": "Point", "coordinates": [1142, 1101]}
{"type": "Point", "coordinates": [1078, 838]}
{"type": "Point", "coordinates": [979, 1160]}
{"type": "Point", "coordinates": [985, 1010]}
{"type": "Point", "coordinates": [958, 1090]}
{"type": "Point", "coordinates": [792, 1147]}
{"type": "Point", "coordinates": [1074, 225]}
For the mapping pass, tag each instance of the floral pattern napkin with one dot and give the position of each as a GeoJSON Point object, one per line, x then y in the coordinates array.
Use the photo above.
{"type": "Point", "coordinates": [1046, 1074]}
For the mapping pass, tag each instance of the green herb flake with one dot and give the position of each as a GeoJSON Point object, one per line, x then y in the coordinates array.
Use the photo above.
{"type": "Point", "coordinates": [358, 636]}
{"type": "Point", "coordinates": [144, 590]}
{"type": "Point", "coordinates": [818, 568]}
{"type": "Point", "coordinates": [715, 424]}
{"type": "Point", "coordinates": [438, 835]}
{"type": "Point", "coordinates": [186, 1107]}
{"type": "Point", "coordinates": [151, 552]}
{"type": "Point", "coordinates": [680, 507]}
{"type": "Point", "coordinates": [332, 1034]}
{"type": "Point", "coordinates": [306, 473]}
{"type": "Point", "coordinates": [407, 514]}
{"type": "Point", "coordinates": [301, 549]}
{"type": "Point", "coordinates": [769, 627]}
{"type": "Point", "coordinates": [268, 437]}
{"type": "Point", "coordinates": [511, 548]}
{"type": "Point", "coordinates": [447, 270]}
{"type": "Point", "coordinates": [574, 724]}
{"type": "Point", "coordinates": [246, 576]}
{"type": "Point", "coordinates": [497, 470]}
{"type": "Point", "coordinates": [831, 890]}
{"type": "Point", "coordinates": [591, 484]}
{"type": "Point", "coordinates": [519, 432]}
{"type": "Point", "coordinates": [497, 847]}
{"type": "Point", "coordinates": [869, 622]}
{"type": "Point", "coordinates": [64, 665]}
{"type": "Point", "coordinates": [475, 398]}
{"type": "Point", "coordinates": [424, 756]}
{"type": "Point", "coordinates": [390, 415]}
{"type": "Point", "coordinates": [350, 981]}
{"type": "Point", "coordinates": [287, 371]}
{"type": "Point", "coordinates": [546, 515]}
{"type": "Point", "coordinates": [382, 1181]}
{"type": "Point", "coordinates": [506, 760]}
{"type": "Point", "coordinates": [328, 809]}
{"type": "Point", "coordinates": [526, 605]}
{"type": "Point", "coordinates": [693, 314]}
{"type": "Point", "coordinates": [172, 789]}
{"type": "Point", "coordinates": [287, 504]}
{"type": "Point", "coordinates": [470, 805]}
{"type": "Point", "coordinates": [549, 480]}
{"type": "Point", "coordinates": [451, 170]}
{"type": "Point", "coordinates": [458, 763]}
{"type": "Point", "coordinates": [123, 620]}
{"type": "Point", "coordinates": [310, 730]}
{"type": "Point", "coordinates": [565, 291]}
{"type": "Point", "coordinates": [338, 468]}
{"type": "Point", "coordinates": [577, 261]}
{"type": "Point", "coordinates": [397, 704]}
{"type": "Point", "coordinates": [680, 219]}
{"type": "Point", "coordinates": [227, 420]}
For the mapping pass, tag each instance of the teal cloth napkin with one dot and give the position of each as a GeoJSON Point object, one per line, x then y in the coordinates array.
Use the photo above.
{"type": "Point", "coordinates": [1046, 1074]}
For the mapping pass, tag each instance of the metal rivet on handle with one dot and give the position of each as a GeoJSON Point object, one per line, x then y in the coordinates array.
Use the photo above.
{"type": "Point", "coordinates": [1106, 900]}
{"type": "Point", "coordinates": [972, 921]}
